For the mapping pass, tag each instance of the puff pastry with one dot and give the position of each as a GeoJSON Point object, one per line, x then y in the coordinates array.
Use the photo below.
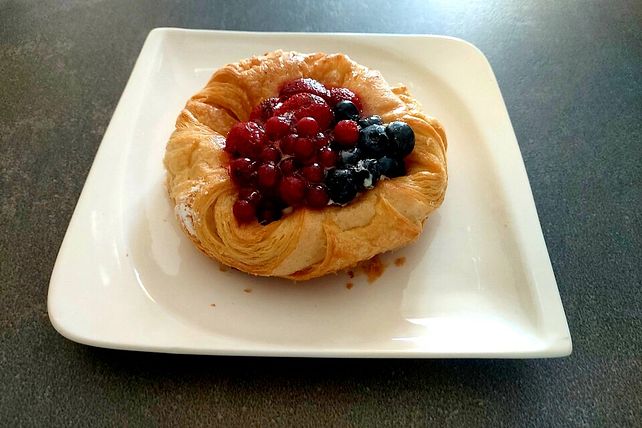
{"type": "Point", "coordinates": [305, 243]}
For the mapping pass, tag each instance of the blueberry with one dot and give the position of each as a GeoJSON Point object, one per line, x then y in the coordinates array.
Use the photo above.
{"type": "Point", "coordinates": [342, 185]}
{"type": "Point", "coordinates": [371, 120]}
{"type": "Point", "coordinates": [371, 166]}
{"type": "Point", "coordinates": [350, 156]}
{"type": "Point", "coordinates": [361, 177]}
{"type": "Point", "coordinates": [345, 110]}
{"type": "Point", "coordinates": [402, 137]}
{"type": "Point", "coordinates": [391, 167]}
{"type": "Point", "coordinates": [373, 140]}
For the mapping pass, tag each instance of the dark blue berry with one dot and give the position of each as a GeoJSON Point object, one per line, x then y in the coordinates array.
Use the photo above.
{"type": "Point", "coordinates": [373, 140]}
{"type": "Point", "coordinates": [371, 120]}
{"type": "Point", "coordinates": [402, 138]}
{"type": "Point", "coordinates": [345, 110]}
{"type": "Point", "coordinates": [342, 185]}
{"type": "Point", "coordinates": [371, 166]}
{"type": "Point", "coordinates": [350, 156]}
{"type": "Point", "coordinates": [360, 177]}
{"type": "Point", "coordinates": [391, 167]}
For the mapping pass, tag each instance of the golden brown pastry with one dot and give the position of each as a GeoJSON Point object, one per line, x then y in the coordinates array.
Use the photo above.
{"type": "Point", "coordinates": [305, 243]}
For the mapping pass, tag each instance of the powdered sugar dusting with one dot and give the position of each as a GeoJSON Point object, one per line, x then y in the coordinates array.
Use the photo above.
{"type": "Point", "coordinates": [185, 215]}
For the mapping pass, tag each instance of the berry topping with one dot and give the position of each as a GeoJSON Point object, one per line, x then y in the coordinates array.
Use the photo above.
{"type": "Point", "coordinates": [241, 170]}
{"type": "Point", "coordinates": [370, 120]}
{"type": "Point", "coordinates": [313, 173]}
{"type": "Point", "coordinates": [303, 148]}
{"type": "Point", "coordinates": [374, 140]}
{"type": "Point", "coordinates": [311, 105]}
{"type": "Point", "coordinates": [307, 127]}
{"type": "Point", "coordinates": [268, 175]}
{"type": "Point", "coordinates": [276, 127]}
{"type": "Point", "coordinates": [391, 167]}
{"type": "Point", "coordinates": [342, 187]}
{"type": "Point", "coordinates": [266, 109]}
{"type": "Point", "coordinates": [270, 154]}
{"type": "Point", "coordinates": [292, 190]}
{"type": "Point", "coordinates": [306, 85]}
{"type": "Point", "coordinates": [317, 196]}
{"type": "Point", "coordinates": [344, 94]}
{"type": "Point", "coordinates": [297, 150]}
{"type": "Point", "coordinates": [346, 132]}
{"type": "Point", "coordinates": [244, 211]}
{"type": "Point", "coordinates": [402, 137]}
{"type": "Point", "coordinates": [251, 195]}
{"type": "Point", "coordinates": [288, 166]}
{"type": "Point", "coordinates": [346, 110]}
{"type": "Point", "coordinates": [327, 157]}
{"type": "Point", "coordinates": [350, 156]}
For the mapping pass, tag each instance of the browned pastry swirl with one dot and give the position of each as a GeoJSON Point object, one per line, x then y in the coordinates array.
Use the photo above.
{"type": "Point", "coordinates": [306, 243]}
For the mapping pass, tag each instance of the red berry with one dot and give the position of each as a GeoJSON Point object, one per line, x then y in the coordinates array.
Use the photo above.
{"type": "Point", "coordinates": [346, 132]}
{"type": "Point", "coordinates": [288, 166]}
{"type": "Point", "coordinates": [292, 190]}
{"type": "Point", "coordinates": [304, 104]}
{"type": "Point", "coordinates": [276, 127]}
{"type": "Point", "coordinates": [264, 110]}
{"type": "Point", "coordinates": [241, 170]}
{"type": "Point", "coordinates": [244, 211]}
{"type": "Point", "coordinates": [344, 94]}
{"type": "Point", "coordinates": [327, 157]}
{"type": "Point", "coordinates": [317, 196]}
{"type": "Point", "coordinates": [303, 148]}
{"type": "Point", "coordinates": [245, 138]}
{"type": "Point", "coordinates": [321, 140]}
{"type": "Point", "coordinates": [251, 195]}
{"type": "Point", "coordinates": [288, 143]}
{"type": "Point", "coordinates": [269, 175]}
{"type": "Point", "coordinates": [313, 173]}
{"type": "Point", "coordinates": [270, 154]}
{"type": "Point", "coordinates": [308, 85]}
{"type": "Point", "coordinates": [307, 127]}
{"type": "Point", "coordinates": [268, 213]}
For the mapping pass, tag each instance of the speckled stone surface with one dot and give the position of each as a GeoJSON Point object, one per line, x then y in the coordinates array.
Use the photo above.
{"type": "Point", "coordinates": [571, 76]}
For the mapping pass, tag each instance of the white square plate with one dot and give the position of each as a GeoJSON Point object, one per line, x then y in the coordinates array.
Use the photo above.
{"type": "Point", "coordinates": [478, 283]}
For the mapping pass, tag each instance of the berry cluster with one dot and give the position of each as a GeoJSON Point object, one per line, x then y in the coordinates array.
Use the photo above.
{"type": "Point", "coordinates": [310, 147]}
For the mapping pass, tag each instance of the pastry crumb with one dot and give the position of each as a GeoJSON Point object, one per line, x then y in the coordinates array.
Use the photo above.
{"type": "Point", "coordinates": [349, 285]}
{"type": "Point", "coordinates": [400, 261]}
{"type": "Point", "coordinates": [223, 268]}
{"type": "Point", "coordinates": [247, 290]}
{"type": "Point", "coordinates": [351, 274]}
{"type": "Point", "coordinates": [213, 305]}
{"type": "Point", "coordinates": [373, 268]}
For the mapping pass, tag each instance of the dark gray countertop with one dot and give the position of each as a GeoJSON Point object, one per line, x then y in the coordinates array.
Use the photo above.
{"type": "Point", "coordinates": [571, 76]}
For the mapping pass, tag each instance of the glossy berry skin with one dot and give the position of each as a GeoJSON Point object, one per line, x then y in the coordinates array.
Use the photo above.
{"type": "Point", "coordinates": [370, 120]}
{"type": "Point", "coordinates": [245, 138]}
{"type": "Point", "coordinates": [308, 105]}
{"type": "Point", "coordinates": [305, 85]}
{"type": "Point", "coordinates": [244, 211]}
{"type": "Point", "coordinates": [268, 175]}
{"type": "Point", "coordinates": [307, 127]}
{"type": "Point", "coordinates": [342, 186]}
{"type": "Point", "coordinates": [241, 170]}
{"type": "Point", "coordinates": [344, 94]}
{"type": "Point", "coordinates": [251, 195]}
{"type": "Point", "coordinates": [288, 166]}
{"type": "Point", "coordinates": [276, 127]}
{"type": "Point", "coordinates": [391, 167]}
{"type": "Point", "coordinates": [264, 110]}
{"type": "Point", "coordinates": [314, 173]}
{"type": "Point", "coordinates": [268, 212]}
{"type": "Point", "coordinates": [270, 154]}
{"type": "Point", "coordinates": [402, 138]}
{"type": "Point", "coordinates": [292, 190]}
{"type": "Point", "coordinates": [303, 148]}
{"type": "Point", "coordinates": [317, 196]}
{"type": "Point", "coordinates": [350, 156]}
{"type": "Point", "coordinates": [345, 110]}
{"type": "Point", "coordinates": [346, 132]}
{"type": "Point", "coordinates": [327, 157]}
{"type": "Point", "coordinates": [373, 140]}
